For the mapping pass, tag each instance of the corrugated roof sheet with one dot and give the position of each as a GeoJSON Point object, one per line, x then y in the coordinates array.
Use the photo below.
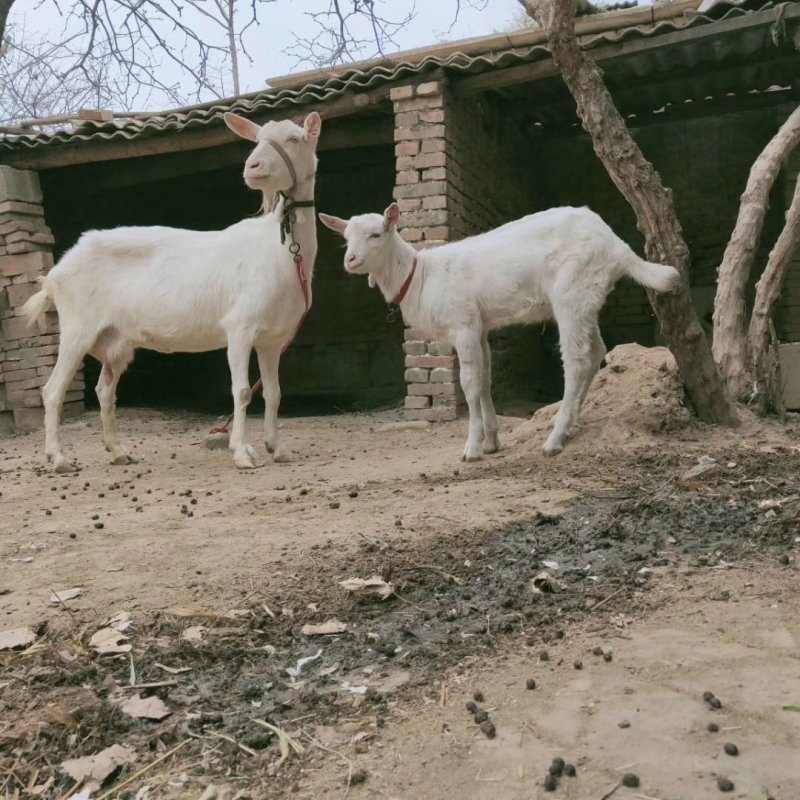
{"type": "Point", "coordinates": [363, 77]}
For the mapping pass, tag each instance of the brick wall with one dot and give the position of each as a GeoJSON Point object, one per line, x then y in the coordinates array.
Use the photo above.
{"type": "Point", "coordinates": [26, 355]}
{"type": "Point", "coordinates": [458, 173]}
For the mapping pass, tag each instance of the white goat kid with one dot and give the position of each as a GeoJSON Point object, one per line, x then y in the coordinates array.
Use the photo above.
{"type": "Point", "coordinates": [173, 290]}
{"type": "Point", "coordinates": [558, 264]}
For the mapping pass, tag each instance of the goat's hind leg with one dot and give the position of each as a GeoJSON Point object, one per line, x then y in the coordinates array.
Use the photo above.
{"type": "Point", "coordinates": [239, 349]}
{"type": "Point", "coordinates": [491, 441]}
{"type": "Point", "coordinates": [268, 362]}
{"type": "Point", "coordinates": [582, 350]}
{"type": "Point", "coordinates": [470, 356]}
{"type": "Point", "coordinates": [71, 351]}
{"type": "Point", "coordinates": [106, 390]}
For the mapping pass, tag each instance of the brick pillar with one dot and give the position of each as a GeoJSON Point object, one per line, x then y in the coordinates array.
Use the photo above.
{"type": "Point", "coordinates": [27, 355]}
{"type": "Point", "coordinates": [433, 389]}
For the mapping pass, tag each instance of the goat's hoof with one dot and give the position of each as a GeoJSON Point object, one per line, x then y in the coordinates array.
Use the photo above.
{"type": "Point", "coordinates": [65, 467]}
{"type": "Point", "coordinates": [270, 448]}
{"type": "Point", "coordinates": [553, 448]}
{"type": "Point", "coordinates": [281, 457]}
{"type": "Point", "coordinates": [491, 445]}
{"type": "Point", "coordinates": [244, 462]}
{"type": "Point", "coordinates": [471, 457]}
{"type": "Point", "coordinates": [123, 460]}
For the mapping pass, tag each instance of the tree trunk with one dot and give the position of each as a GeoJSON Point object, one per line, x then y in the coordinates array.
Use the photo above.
{"type": "Point", "coordinates": [641, 186]}
{"type": "Point", "coordinates": [766, 385]}
{"type": "Point", "coordinates": [5, 7]}
{"type": "Point", "coordinates": [730, 313]}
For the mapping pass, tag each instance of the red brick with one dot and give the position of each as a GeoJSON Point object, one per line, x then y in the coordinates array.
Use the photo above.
{"type": "Point", "coordinates": [20, 292]}
{"type": "Point", "coordinates": [408, 148]}
{"type": "Point", "coordinates": [34, 263]}
{"type": "Point", "coordinates": [410, 204]}
{"type": "Point", "coordinates": [431, 362]}
{"type": "Point", "coordinates": [437, 234]}
{"type": "Point", "coordinates": [426, 160]}
{"type": "Point", "coordinates": [432, 388]}
{"type": "Point", "coordinates": [435, 174]}
{"type": "Point", "coordinates": [411, 234]}
{"type": "Point", "coordinates": [407, 177]}
{"type": "Point", "coordinates": [413, 401]}
{"type": "Point", "coordinates": [401, 92]}
{"type": "Point", "coordinates": [428, 89]}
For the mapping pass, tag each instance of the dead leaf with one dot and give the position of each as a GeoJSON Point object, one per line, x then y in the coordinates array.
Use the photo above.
{"type": "Point", "coordinates": [63, 595]}
{"type": "Point", "coordinates": [64, 718]}
{"type": "Point", "coordinates": [107, 641]}
{"type": "Point", "coordinates": [545, 583]}
{"type": "Point", "coordinates": [16, 638]}
{"type": "Point", "coordinates": [91, 771]}
{"type": "Point", "coordinates": [697, 471]}
{"type": "Point", "coordinates": [39, 790]}
{"type": "Point", "coordinates": [374, 586]}
{"type": "Point", "coordinates": [120, 621]}
{"type": "Point", "coordinates": [194, 634]}
{"type": "Point", "coordinates": [328, 628]}
{"type": "Point", "coordinates": [152, 707]}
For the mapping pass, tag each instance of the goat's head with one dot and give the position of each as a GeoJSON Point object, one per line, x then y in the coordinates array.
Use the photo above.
{"type": "Point", "coordinates": [369, 239]}
{"type": "Point", "coordinates": [266, 168]}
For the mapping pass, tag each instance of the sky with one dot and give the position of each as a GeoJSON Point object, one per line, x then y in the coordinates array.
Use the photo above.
{"type": "Point", "coordinates": [282, 19]}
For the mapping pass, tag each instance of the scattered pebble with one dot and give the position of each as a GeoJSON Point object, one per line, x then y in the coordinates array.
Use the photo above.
{"type": "Point", "coordinates": [99, 525]}
{"type": "Point", "coordinates": [569, 770]}
{"type": "Point", "coordinates": [578, 664]}
{"type": "Point", "coordinates": [544, 655]}
{"type": "Point", "coordinates": [725, 784]}
{"type": "Point", "coordinates": [478, 697]}
{"type": "Point", "coordinates": [358, 776]}
{"type": "Point", "coordinates": [530, 684]}
{"type": "Point", "coordinates": [625, 724]}
{"type": "Point", "coordinates": [608, 656]}
{"type": "Point", "coordinates": [598, 651]}
{"type": "Point", "coordinates": [487, 726]}
{"type": "Point", "coordinates": [712, 727]}
{"type": "Point", "coordinates": [784, 559]}
{"type": "Point", "coordinates": [471, 707]}
{"type": "Point", "coordinates": [731, 749]}
{"type": "Point", "coordinates": [335, 504]}
{"type": "Point", "coordinates": [481, 716]}
{"type": "Point", "coordinates": [557, 766]}
{"type": "Point", "coordinates": [550, 783]}
{"type": "Point", "coordinates": [630, 779]}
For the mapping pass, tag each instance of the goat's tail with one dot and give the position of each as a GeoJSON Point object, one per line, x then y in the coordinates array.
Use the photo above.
{"type": "Point", "coordinates": [658, 277]}
{"type": "Point", "coordinates": [34, 309]}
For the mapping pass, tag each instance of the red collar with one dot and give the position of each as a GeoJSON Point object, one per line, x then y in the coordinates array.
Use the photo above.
{"type": "Point", "coordinates": [398, 298]}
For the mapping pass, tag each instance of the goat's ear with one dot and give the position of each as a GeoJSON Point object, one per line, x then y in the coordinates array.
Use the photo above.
{"type": "Point", "coordinates": [391, 216]}
{"type": "Point", "coordinates": [334, 223]}
{"type": "Point", "coordinates": [313, 126]}
{"type": "Point", "coordinates": [242, 127]}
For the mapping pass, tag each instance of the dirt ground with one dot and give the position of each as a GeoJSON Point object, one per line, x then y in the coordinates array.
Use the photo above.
{"type": "Point", "coordinates": [671, 546]}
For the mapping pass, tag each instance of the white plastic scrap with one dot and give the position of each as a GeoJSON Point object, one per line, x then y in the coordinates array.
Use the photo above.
{"type": "Point", "coordinates": [298, 667]}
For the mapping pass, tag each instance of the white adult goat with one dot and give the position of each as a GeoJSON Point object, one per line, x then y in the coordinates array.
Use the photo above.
{"type": "Point", "coordinates": [558, 264]}
{"type": "Point", "coordinates": [172, 290]}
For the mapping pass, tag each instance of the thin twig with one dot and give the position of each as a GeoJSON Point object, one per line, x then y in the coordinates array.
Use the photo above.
{"type": "Point", "coordinates": [611, 793]}
{"type": "Point", "coordinates": [606, 599]}
{"type": "Point", "coordinates": [137, 775]}
{"type": "Point", "coordinates": [243, 747]}
{"type": "Point", "coordinates": [153, 685]}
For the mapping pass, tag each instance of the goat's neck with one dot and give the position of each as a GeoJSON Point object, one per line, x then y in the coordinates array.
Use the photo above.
{"type": "Point", "coordinates": [396, 269]}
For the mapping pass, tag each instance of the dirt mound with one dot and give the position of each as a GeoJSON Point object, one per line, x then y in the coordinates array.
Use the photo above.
{"type": "Point", "coordinates": [637, 396]}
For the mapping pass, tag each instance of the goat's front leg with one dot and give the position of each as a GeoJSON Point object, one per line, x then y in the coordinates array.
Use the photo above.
{"type": "Point", "coordinates": [268, 362]}
{"type": "Point", "coordinates": [470, 356]}
{"type": "Point", "coordinates": [239, 348]}
{"type": "Point", "coordinates": [491, 442]}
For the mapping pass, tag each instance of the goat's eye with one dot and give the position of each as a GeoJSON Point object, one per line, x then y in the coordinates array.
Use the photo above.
{"type": "Point", "coordinates": [374, 236]}
{"type": "Point", "coordinates": [294, 139]}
